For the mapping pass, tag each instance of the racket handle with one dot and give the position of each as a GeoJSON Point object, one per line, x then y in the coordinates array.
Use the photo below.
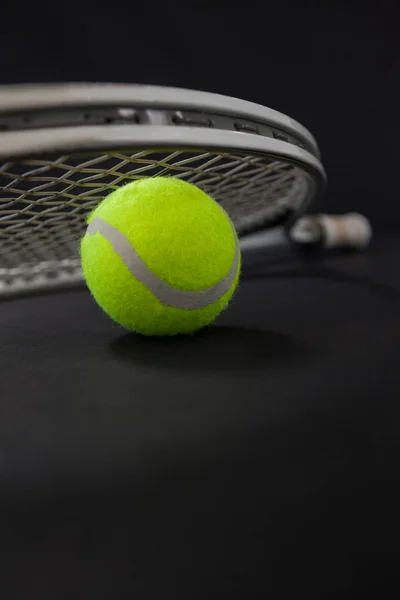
{"type": "Point", "coordinates": [351, 230]}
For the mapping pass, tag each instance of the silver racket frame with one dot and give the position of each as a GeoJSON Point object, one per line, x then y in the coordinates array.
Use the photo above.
{"type": "Point", "coordinates": [40, 120]}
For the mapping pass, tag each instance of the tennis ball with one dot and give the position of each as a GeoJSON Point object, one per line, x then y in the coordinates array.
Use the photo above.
{"type": "Point", "coordinates": [161, 257]}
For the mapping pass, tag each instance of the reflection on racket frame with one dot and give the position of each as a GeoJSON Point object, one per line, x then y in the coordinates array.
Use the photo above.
{"type": "Point", "coordinates": [64, 147]}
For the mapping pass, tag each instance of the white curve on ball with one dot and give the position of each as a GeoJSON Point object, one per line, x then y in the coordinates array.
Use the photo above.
{"type": "Point", "coordinates": [166, 294]}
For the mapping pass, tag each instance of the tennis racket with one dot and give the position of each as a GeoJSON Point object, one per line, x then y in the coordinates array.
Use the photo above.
{"type": "Point", "coordinates": [63, 148]}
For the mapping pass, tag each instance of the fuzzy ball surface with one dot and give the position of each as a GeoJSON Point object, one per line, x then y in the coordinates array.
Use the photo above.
{"type": "Point", "coordinates": [161, 257]}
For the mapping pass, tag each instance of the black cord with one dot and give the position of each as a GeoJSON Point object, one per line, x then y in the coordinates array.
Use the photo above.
{"type": "Point", "coordinates": [327, 273]}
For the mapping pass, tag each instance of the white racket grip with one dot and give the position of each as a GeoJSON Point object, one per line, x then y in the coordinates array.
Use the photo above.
{"type": "Point", "coordinates": [351, 230]}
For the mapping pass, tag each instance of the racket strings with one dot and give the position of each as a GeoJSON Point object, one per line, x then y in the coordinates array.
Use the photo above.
{"type": "Point", "coordinates": [44, 202]}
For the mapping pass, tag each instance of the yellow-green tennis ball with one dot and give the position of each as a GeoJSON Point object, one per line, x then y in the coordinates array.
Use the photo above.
{"type": "Point", "coordinates": [161, 257]}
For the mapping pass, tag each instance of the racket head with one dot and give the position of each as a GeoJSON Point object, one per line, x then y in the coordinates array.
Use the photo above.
{"type": "Point", "coordinates": [64, 148]}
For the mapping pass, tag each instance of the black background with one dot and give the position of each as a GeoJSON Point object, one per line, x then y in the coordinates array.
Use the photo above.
{"type": "Point", "coordinates": [261, 457]}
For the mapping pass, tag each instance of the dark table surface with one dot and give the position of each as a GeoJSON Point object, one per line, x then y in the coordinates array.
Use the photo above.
{"type": "Point", "coordinates": [258, 458]}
